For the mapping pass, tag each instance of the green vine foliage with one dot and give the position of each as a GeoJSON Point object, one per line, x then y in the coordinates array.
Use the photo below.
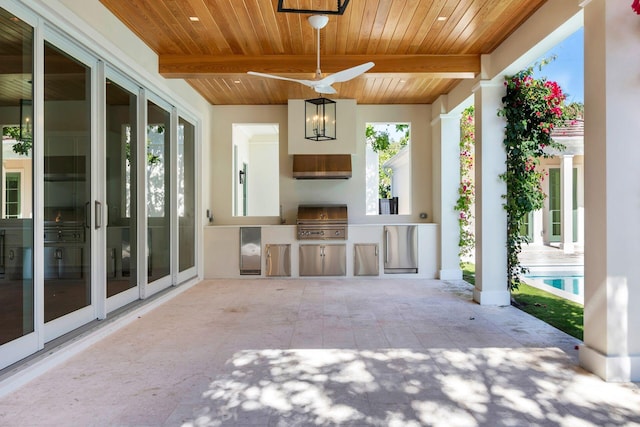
{"type": "Point", "coordinates": [532, 109]}
{"type": "Point", "coordinates": [466, 191]}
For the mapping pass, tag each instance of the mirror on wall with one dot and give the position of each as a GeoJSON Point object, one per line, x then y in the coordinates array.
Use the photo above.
{"type": "Point", "coordinates": [255, 169]}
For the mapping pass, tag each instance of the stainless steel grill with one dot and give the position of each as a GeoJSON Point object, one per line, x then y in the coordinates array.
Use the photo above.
{"type": "Point", "coordinates": [322, 222]}
{"type": "Point", "coordinates": [64, 247]}
{"type": "Point", "coordinates": [67, 232]}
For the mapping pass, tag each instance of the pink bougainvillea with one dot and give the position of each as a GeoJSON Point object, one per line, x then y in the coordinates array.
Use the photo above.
{"type": "Point", "coordinates": [466, 190]}
{"type": "Point", "coordinates": [532, 108]}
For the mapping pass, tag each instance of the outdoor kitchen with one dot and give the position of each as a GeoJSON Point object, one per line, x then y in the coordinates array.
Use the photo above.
{"type": "Point", "coordinates": [324, 228]}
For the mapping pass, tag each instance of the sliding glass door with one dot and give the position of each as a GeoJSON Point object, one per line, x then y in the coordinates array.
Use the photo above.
{"type": "Point", "coordinates": [121, 193]}
{"type": "Point", "coordinates": [97, 190]}
{"type": "Point", "coordinates": [158, 161]}
{"type": "Point", "coordinates": [17, 303]}
{"type": "Point", "coordinates": [68, 219]}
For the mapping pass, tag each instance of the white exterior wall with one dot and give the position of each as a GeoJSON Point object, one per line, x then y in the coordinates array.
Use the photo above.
{"type": "Point", "coordinates": [264, 197]}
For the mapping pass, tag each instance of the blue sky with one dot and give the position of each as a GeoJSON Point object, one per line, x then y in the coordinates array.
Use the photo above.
{"type": "Point", "coordinates": [568, 68]}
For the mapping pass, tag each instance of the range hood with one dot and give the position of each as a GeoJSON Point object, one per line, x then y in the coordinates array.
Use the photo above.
{"type": "Point", "coordinates": [322, 166]}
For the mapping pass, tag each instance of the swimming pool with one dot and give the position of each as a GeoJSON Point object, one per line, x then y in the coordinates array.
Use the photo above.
{"type": "Point", "coordinates": [572, 284]}
{"type": "Point", "coordinates": [569, 285]}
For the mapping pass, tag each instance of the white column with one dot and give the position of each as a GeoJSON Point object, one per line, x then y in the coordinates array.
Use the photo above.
{"type": "Point", "coordinates": [491, 218]}
{"type": "Point", "coordinates": [566, 203]}
{"type": "Point", "coordinates": [445, 129]}
{"type": "Point", "coordinates": [612, 181]}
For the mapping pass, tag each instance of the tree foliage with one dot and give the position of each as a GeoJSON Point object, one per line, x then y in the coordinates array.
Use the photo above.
{"type": "Point", "coordinates": [23, 143]}
{"type": "Point", "coordinates": [381, 142]}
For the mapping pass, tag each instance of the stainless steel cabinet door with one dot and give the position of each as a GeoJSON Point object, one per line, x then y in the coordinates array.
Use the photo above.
{"type": "Point", "coordinates": [250, 257]}
{"type": "Point", "coordinates": [401, 249]}
{"type": "Point", "coordinates": [335, 260]}
{"type": "Point", "coordinates": [366, 260]}
{"type": "Point", "coordinates": [310, 260]}
{"type": "Point", "coordinates": [278, 260]}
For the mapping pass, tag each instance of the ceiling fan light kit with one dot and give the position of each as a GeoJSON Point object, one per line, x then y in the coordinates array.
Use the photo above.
{"type": "Point", "coordinates": [320, 119]}
{"type": "Point", "coordinates": [318, 21]}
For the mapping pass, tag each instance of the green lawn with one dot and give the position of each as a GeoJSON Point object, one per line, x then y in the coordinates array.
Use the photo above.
{"type": "Point", "coordinates": [561, 313]}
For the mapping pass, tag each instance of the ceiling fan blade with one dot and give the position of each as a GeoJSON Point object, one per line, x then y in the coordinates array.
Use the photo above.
{"type": "Point", "coordinates": [326, 89]}
{"type": "Point", "coordinates": [348, 74]}
{"type": "Point", "coordinates": [309, 83]}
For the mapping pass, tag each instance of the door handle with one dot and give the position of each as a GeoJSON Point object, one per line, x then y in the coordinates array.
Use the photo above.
{"type": "Point", "coordinates": [98, 213]}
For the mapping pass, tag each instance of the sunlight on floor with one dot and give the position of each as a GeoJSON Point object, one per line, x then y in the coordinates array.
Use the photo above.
{"type": "Point", "coordinates": [401, 387]}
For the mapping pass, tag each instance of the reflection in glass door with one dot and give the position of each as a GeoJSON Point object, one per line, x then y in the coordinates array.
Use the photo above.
{"type": "Point", "coordinates": [186, 195]}
{"type": "Point", "coordinates": [16, 185]}
{"type": "Point", "coordinates": [158, 195]}
{"type": "Point", "coordinates": [67, 184]}
{"type": "Point", "coordinates": [121, 126]}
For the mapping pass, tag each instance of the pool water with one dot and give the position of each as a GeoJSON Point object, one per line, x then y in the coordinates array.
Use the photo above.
{"type": "Point", "coordinates": [571, 284]}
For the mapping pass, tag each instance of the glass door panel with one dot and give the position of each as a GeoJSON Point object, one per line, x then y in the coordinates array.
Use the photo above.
{"type": "Point", "coordinates": [158, 194]}
{"type": "Point", "coordinates": [555, 215]}
{"type": "Point", "coordinates": [67, 184]}
{"type": "Point", "coordinates": [121, 149]}
{"type": "Point", "coordinates": [186, 195]}
{"type": "Point", "coordinates": [16, 185]}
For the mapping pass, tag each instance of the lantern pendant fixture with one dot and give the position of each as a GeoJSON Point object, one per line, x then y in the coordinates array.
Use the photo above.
{"type": "Point", "coordinates": [320, 119]}
{"type": "Point", "coordinates": [322, 8]}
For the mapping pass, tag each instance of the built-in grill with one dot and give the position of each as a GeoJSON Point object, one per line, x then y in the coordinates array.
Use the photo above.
{"type": "Point", "coordinates": [322, 222]}
{"type": "Point", "coordinates": [67, 232]}
{"type": "Point", "coordinates": [64, 243]}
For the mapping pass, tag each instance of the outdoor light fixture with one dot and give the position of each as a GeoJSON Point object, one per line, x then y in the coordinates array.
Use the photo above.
{"type": "Point", "coordinates": [295, 7]}
{"type": "Point", "coordinates": [320, 119]}
{"type": "Point", "coordinates": [26, 112]}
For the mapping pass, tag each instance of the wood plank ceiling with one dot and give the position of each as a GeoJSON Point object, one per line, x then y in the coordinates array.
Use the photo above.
{"type": "Point", "coordinates": [422, 48]}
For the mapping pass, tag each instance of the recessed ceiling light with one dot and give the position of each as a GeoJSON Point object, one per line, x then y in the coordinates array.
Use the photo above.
{"type": "Point", "coordinates": [194, 19]}
{"type": "Point", "coordinates": [442, 18]}
{"type": "Point", "coordinates": [236, 81]}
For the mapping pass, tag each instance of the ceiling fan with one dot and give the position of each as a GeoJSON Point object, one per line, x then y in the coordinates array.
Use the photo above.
{"type": "Point", "coordinates": [320, 84]}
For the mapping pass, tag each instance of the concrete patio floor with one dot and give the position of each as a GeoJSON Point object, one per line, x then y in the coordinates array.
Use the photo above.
{"type": "Point", "coordinates": [323, 352]}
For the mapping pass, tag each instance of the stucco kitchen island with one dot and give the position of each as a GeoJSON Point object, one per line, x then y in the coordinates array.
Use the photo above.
{"type": "Point", "coordinates": [222, 249]}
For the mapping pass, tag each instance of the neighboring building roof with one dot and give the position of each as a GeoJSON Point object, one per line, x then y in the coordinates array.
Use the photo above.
{"type": "Point", "coordinates": [571, 135]}
{"type": "Point", "coordinates": [570, 128]}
